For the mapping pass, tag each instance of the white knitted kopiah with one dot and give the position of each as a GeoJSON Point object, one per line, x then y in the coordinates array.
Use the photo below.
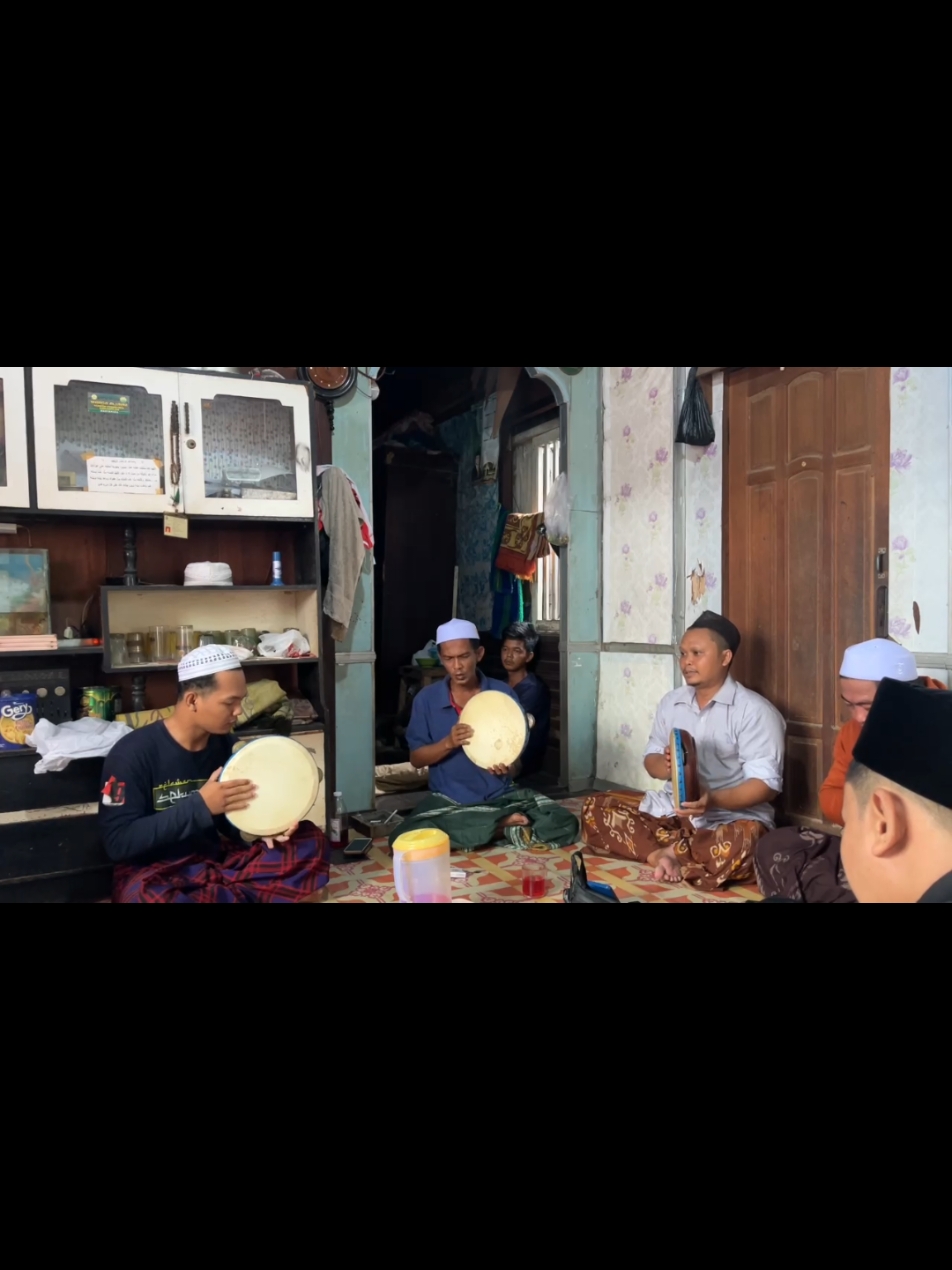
{"type": "Point", "coordinates": [456, 629]}
{"type": "Point", "coordinates": [879, 659]}
{"type": "Point", "coordinates": [208, 574]}
{"type": "Point", "coordinates": [211, 660]}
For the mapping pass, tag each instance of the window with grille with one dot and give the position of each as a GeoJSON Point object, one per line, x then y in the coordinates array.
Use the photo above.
{"type": "Point", "coordinates": [537, 463]}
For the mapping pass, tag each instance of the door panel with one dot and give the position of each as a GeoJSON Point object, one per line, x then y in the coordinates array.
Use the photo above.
{"type": "Point", "coordinates": [804, 596]}
{"type": "Point", "coordinates": [103, 438]}
{"type": "Point", "coordinates": [14, 467]}
{"type": "Point", "coordinates": [247, 449]}
{"type": "Point", "coordinates": [808, 509]}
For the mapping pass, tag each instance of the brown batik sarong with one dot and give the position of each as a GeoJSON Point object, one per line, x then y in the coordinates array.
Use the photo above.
{"type": "Point", "coordinates": [802, 865]}
{"type": "Point", "coordinates": [709, 859]}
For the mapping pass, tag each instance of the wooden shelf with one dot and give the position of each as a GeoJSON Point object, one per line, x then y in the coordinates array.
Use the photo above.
{"type": "Point", "coordinates": [151, 668]}
{"type": "Point", "coordinates": [60, 652]}
{"type": "Point", "coordinates": [297, 729]}
{"type": "Point", "coordinates": [213, 590]}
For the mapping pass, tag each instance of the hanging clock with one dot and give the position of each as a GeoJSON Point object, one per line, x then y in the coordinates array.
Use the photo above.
{"type": "Point", "coordinates": [330, 382]}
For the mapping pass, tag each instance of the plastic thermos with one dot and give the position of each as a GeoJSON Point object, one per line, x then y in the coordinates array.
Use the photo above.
{"type": "Point", "coordinates": [421, 868]}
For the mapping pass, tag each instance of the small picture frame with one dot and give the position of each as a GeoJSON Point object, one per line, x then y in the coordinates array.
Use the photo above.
{"type": "Point", "coordinates": [25, 592]}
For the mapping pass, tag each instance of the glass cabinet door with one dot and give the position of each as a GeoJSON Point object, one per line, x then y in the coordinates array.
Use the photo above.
{"type": "Point", "coordinates": [247, 447]}
{"type": "Point", "coordinates": [103, 437]}
{"type": "Point", "coordinates": [14, 467]}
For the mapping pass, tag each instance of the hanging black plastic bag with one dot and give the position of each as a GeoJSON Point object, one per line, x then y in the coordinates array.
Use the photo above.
{"type": "Point", "coordinates": [696, 426]}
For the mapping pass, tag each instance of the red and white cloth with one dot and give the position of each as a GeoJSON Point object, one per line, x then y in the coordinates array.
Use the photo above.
{"type": "Point", "coordinates": [366, 525]}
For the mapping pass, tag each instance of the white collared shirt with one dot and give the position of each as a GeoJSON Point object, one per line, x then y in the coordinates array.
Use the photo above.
{"type": "Point", "coordinates": [740, 737]}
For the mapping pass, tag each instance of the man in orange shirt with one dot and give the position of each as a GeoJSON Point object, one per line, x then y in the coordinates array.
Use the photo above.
{"type": "Point", "coordinates": [804, 865]}
{"type": "Point", "coordinates": [897, 844]}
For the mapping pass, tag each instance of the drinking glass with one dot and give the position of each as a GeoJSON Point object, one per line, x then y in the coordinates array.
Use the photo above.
{"type": "Point", "coordinates": [535, 880]}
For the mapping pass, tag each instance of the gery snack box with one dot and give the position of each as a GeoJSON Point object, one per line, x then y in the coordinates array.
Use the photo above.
{"type": "Point", "coordinates": [18, 714]}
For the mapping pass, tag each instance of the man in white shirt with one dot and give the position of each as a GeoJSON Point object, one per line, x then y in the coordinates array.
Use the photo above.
{"type": "Point", "coordinates": [740, 754]}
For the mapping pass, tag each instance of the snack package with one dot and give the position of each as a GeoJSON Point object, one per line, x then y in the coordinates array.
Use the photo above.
{"type": "Point", "coordinates": [18, 714]}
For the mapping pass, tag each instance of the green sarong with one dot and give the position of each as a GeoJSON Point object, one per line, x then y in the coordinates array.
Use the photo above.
{"type": "Point", "coordinates": [469, 828]}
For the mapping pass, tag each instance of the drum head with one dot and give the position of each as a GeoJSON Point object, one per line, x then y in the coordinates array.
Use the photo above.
{"type": "Point", "coordinates": [500, 727]}
{"type": "Point", "coordinates": [288, 783]}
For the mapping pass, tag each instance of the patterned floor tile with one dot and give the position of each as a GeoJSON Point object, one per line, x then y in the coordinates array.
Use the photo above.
{"type": "Point", "coordinates": [493, 877]}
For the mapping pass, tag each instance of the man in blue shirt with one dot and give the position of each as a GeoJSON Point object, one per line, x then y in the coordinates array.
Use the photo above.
{"type": "Point", "coordinates": [474, 807]}
{"type": "Point", "coordinates": [519, 644]}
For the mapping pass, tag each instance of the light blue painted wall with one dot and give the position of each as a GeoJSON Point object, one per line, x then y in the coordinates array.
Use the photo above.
{"type": "Point", "coordinates": [582, 623]}
{"type": "Point", "coordinates": [356, 750]}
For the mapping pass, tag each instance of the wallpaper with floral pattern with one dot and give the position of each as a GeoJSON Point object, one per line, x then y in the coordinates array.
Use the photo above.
{"type": "Point", "coordinates": [630, 688]}
{"type": "Point", "coordinates": [638, 496]}
{"type": "Point", "coordinates": [919, 516]}
{"type": "Point", "coordinates": [703, 497]}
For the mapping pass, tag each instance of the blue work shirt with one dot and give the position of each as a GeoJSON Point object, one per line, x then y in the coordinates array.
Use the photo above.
{"type": "Point", "coordinates": [535, 699]}
{"type": "Point", "coordinates": [434, 718]}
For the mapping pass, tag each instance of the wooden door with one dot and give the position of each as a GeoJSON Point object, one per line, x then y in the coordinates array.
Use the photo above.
{"type": "Point", "coordinates": [807, 515]}
{"type": "Point", "coordinates": [416, 562]}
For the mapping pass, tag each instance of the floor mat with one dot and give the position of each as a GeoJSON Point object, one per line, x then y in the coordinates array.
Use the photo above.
{"type": "Point", "coordinates": [492, 876]}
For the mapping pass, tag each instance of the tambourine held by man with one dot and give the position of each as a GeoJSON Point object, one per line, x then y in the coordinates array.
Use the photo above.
{"type": "Point", "coordinates": [685, 781]}
{"type": "Point", "coordinates": [288, 781]}
{"type": "Point", "coordinates": [500, 730]}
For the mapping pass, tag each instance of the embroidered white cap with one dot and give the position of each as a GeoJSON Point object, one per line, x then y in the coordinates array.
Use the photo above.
{"type": "Point", "coordinates": [211, 660]}
{"type": "Point", "coordinates": [879, 659]}
{"type": "Point", "coordinates": [456, 630]}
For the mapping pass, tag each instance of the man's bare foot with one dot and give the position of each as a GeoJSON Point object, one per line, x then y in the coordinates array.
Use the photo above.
{"type": "Point", "coordinates": [666, 867]}
{"type": "Point", "coordinates": [511, 822]}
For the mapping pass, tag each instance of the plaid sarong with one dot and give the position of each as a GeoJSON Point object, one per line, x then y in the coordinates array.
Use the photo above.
{"type": "Point", "coordinates": [469, 828]}
{"type": "Point", "coordinates": [285, 874]}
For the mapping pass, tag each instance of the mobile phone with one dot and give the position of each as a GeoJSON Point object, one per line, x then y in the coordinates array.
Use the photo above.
{"type": "Point", "coordinates": [359, 849]}
{"type": "Point", "coordinates": [602, 888]}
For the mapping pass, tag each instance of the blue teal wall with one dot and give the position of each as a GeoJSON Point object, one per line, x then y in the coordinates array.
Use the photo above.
{"type": "Point", "coordinates": [356, 750]}
{"type": "Point", "coordinates": [581, 401]}
{"type": "Point", "coordinates": [477, 513]}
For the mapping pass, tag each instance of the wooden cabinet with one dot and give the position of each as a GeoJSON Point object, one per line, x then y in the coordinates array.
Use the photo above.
{"type": "Point", "coordinates": [14, 466]}
{"type": "Point", "coordinates": [132, 440]}
{"type": "Point", "coordinates": [247, 448]}
{"type": "Point", "coordinates": [103, 438]}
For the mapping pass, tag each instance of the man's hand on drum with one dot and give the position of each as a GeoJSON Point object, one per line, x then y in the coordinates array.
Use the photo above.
{"type": "Point", "coordinates": [222, 797]}
{"type": "Point", "coordinates": [285, 838]}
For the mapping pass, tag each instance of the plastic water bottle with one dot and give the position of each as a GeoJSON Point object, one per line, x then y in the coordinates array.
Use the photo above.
{"type": "Point", "coordinates": [339, 821]}
{"type": "Point", "coordinates": [277, 570]}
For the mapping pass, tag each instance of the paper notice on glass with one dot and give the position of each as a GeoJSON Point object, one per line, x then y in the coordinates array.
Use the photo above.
{"type": "Point", "coordinates": [123, 476]}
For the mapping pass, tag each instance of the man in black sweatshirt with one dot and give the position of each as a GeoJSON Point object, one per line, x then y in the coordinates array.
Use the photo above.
{"type": "Point", "coordinates": [164, 807]}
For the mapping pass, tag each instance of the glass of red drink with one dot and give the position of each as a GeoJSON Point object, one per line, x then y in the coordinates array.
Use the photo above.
{"type": "Point", "coordinates": [535, 881]}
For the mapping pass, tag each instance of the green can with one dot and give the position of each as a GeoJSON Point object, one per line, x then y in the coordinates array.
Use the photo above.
{"type": "Point", "coordinates": [98, 703]}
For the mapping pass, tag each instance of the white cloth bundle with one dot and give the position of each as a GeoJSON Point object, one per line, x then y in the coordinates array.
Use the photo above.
{"type": "Point", "coordinates": [86, 738]}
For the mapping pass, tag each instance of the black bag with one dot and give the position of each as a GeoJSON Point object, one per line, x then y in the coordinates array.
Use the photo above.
{"type": "Point", "coordinates": [580, 892]}
{"type": "Point", "coordinates": [696, 426]}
